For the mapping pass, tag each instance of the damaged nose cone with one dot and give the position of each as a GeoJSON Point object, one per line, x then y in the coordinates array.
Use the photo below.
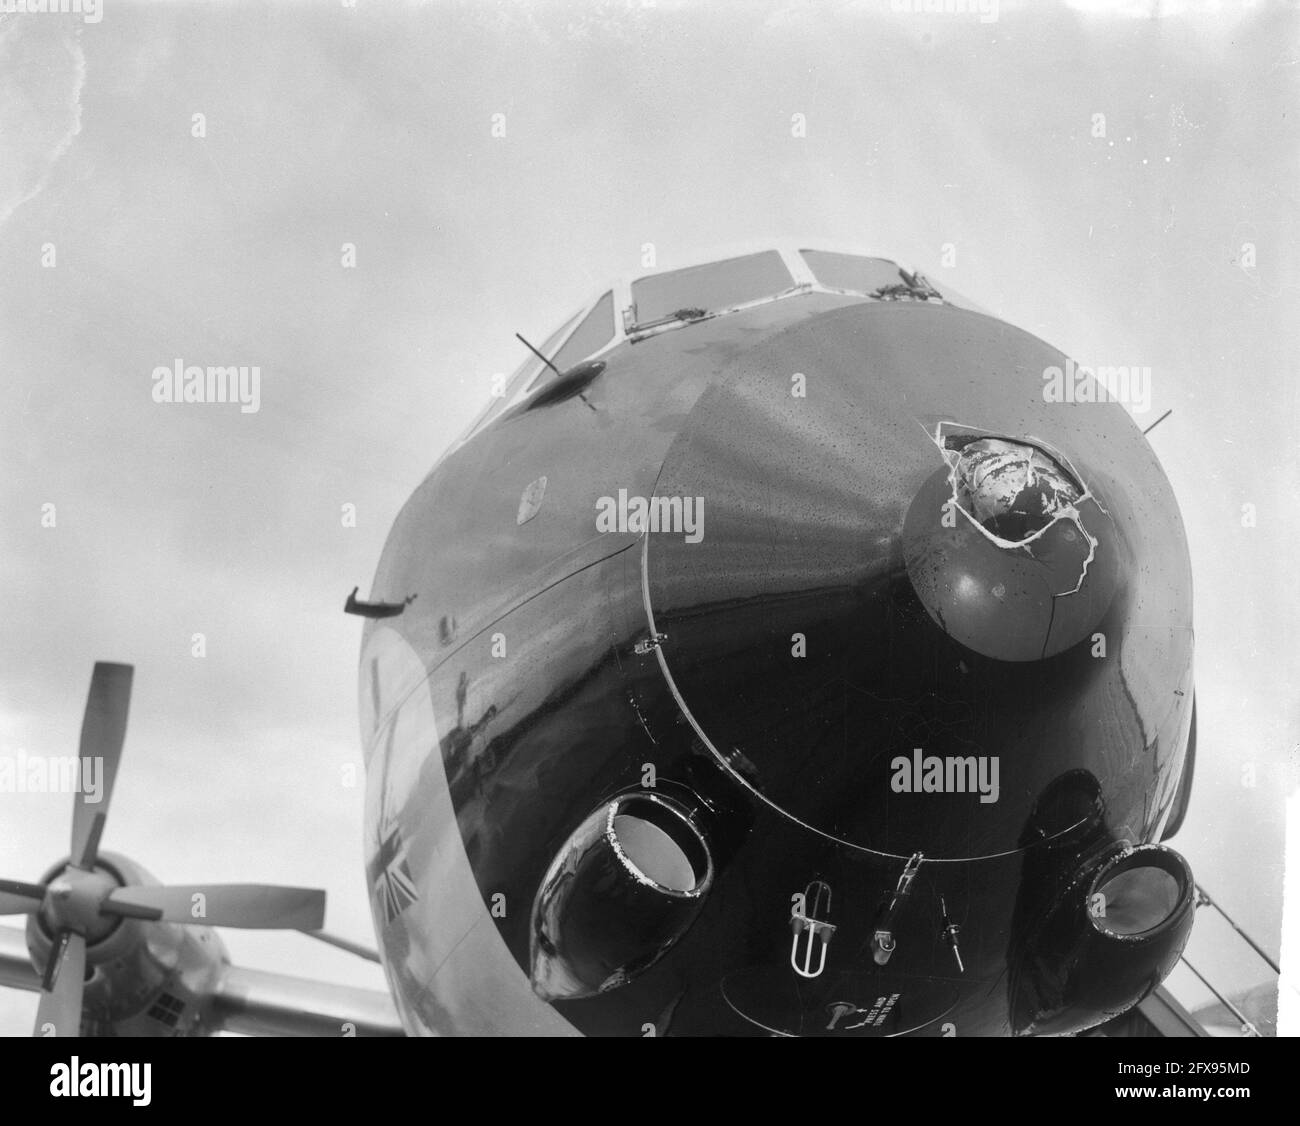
{"type": "Point", "coordinates": [1011, 488]}
{"type": "Point", "coordinates": [1008, 550]}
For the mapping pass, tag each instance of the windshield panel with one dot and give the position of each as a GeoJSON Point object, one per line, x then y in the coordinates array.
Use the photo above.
{"type": "Point", "coordinates": [851, 271]}
{"type": "Point", "coordinates": [713, 286]}
{"type": "Point", "coordinates": [592, 335]}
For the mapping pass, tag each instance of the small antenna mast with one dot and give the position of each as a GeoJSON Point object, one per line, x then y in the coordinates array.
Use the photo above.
{"type": "Point", "coordinates": [558, 372]}
{"type": "Point", "coordinates": [1158, 421]}
{"type": "Point", "coordinates": [538, 354]}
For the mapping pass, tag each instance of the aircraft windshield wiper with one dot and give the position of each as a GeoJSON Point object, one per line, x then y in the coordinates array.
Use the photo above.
{"type": "Point", "coordinates": [690, 313]}
{"type": "Point", "coordinates": [913, 287]}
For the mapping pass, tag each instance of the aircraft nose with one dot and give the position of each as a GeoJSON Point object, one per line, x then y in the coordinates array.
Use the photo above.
{"type": "Point", "coordinates": [896, 534]}
{"type": "Point", "coordinates": [883, 439]}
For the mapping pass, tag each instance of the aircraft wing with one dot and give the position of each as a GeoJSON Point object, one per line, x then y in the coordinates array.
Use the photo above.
{"type": "Point", "coordinates": [257, 1003]}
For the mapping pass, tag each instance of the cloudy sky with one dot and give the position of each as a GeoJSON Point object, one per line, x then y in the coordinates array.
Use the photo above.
{"type": "Point", "coordinates": [134, 234]}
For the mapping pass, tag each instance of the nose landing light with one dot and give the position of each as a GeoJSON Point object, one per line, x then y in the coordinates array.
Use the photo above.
{"type": "Point", "coordinates": [620, 892]}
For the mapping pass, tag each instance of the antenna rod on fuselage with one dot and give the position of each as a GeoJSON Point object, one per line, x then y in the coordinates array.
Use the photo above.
{"type": "Point", "coordinates": [538, 354]}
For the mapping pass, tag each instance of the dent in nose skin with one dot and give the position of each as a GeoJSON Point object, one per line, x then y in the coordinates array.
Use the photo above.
{"type": "Point", "coordinates": [1012, 488]}
{"type": "Point", "coordinates": [1008, 550]}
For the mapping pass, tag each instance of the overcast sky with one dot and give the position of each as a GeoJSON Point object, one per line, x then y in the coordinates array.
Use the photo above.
{"type": "Point", "coordinates": [1167, 242]}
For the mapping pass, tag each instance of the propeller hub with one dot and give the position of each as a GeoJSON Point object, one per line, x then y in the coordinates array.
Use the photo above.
{"type": "Point", "coordinates": [73, 900]}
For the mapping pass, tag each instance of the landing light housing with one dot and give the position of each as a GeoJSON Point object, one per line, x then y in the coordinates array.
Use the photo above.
{"type": "Point", "coordinates": [621, 891]}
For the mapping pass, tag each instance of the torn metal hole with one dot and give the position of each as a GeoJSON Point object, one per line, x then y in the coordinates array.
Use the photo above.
{"type": "Point", "coordinates": [1012, 489]}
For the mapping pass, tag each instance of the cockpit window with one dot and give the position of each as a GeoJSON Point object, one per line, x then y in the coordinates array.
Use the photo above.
{"type": "Point", "coordinates": [851, 271]}
{"type": "Point", "coordinates": [596, 330]}
{"type": "Point", "coordinates": [714, 286]}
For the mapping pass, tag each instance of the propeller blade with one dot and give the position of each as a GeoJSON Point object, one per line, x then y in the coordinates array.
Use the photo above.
{"type": "Point", "coordinates": [18, 898]}
{"type": "Point", "coordinates": [18, 904]}
{"type": "Point", "coordinates": [103, 729]}
{"type": "Point", "coordinates": [251, 906]}
{"type": "Point", "coordinates": [59, 1013]}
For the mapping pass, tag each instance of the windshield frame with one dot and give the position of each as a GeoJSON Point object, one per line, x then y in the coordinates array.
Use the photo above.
{"type": "Point", "coordinates": [528, 376]}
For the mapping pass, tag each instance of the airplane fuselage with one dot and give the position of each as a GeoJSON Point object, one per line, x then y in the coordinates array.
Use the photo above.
{"type": "Point", "coordinates": [810, 673]}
